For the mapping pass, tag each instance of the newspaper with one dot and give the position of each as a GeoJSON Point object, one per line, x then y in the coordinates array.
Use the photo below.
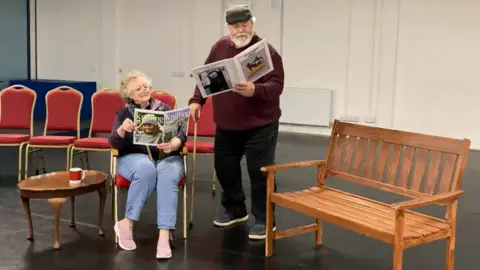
{"type": "Point", "coordinates": [220, 77]}
{"type": "Point", "coordinates": [156, 127]}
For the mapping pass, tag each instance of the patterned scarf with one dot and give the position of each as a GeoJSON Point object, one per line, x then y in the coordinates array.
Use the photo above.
{"type": "Point", "coordinates": [153, 104]}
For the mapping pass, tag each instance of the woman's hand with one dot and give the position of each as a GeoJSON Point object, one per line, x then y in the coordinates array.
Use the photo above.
{"type": "Point", "coordinates": [171, 146]}
{"type": "Point", "coordinates": [127, 125]}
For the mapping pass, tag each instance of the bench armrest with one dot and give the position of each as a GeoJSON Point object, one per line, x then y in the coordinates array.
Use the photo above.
{"type": "Point", "coordinates": [114, 152]}
{"type": "Point", "coordinates": [438, 198]}
{"type": "Point", "coordinates": [290, 165]}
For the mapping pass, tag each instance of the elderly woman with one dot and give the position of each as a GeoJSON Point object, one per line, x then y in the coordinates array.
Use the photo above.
{"type": "Point", "coordinates": [146, 167]}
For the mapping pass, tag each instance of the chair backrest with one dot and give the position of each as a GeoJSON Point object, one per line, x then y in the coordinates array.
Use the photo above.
{"type": "Point", "coordinates": [205, 125]}
{"type": "Point", "coordinates": [406, 163]}
{"type": "Point", "coordinates": [63, 109]}
{"type": "Point", "coordinates": [165, 97]}
{"type": "Point", "coordinates": [17, 103]}
{"type": "Point", "coordinates": [105, 104]}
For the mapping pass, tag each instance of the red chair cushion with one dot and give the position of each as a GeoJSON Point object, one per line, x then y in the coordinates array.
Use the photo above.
{"type": "Point", "coordinates": [206, 127]}
{"type": "Point", "coordinates": [202, 147]}
{"type": "Point", "coordinates": [105, 105]}
{"type": "Point", "coordinates": [13, 138]}
{"type": "Point", "coordinates": [166, 98]}
{"type": "Point", "coordinates": [16, 107]}
{"type": "Point", "coordinates": [95, 143]}
{"type": "Point", "coordinates": [123, 183]}
{"type": "Point", "coordinates": [52, 140]}
{"type": "Point", "coordinates": [63, 109]}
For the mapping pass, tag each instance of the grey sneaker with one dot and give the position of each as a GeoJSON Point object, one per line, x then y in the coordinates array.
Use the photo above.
{"type": "Point", "coordinates": [258, 231]}
{"type": "Point", "coordinates": [230, 217]}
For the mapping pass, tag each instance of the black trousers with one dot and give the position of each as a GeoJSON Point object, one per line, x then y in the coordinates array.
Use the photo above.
{"type": "Point", "coordinates": [258, 145]}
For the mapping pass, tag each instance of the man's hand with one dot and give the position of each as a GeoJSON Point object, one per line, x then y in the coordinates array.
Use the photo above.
{"type": "Point", "coordinates": [195, 111]}
{"type": "Point", "coordinates": [246, 89]}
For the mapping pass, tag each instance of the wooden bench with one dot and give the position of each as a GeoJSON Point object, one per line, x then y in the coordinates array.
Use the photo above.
{"type": "Point", "coordinates": [427, 169]}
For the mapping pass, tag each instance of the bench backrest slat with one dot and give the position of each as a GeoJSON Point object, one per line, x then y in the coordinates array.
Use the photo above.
{"type": "Point", "coordinates": [402, 162]}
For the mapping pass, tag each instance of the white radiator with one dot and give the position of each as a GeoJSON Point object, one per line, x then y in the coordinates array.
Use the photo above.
{"type": "Point", "coordinates": [306, 106]}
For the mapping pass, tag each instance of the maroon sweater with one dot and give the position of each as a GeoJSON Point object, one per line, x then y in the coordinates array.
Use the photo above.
{"type": "Point", "coordinates": [233, 111]}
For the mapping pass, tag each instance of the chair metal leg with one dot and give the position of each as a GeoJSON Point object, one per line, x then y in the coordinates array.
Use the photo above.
{"type": "Point", "coordinates": [27, 152]}
{"type": "Point", "coordinates": [115, 207]}
{"type": "Point", "coordinates": [42, 159]}
{"type": "Point", "coordinates": [69, 154]}
{"type": "Point", "coordinates": [20, 152]}
{"type": "Point", "coordinates": [185, 212]}
{"type": "Point", "coordinates": [87, 164]}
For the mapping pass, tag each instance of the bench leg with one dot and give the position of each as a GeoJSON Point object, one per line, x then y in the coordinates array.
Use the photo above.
{"type": "Point", "coordinates": [269, 231]}
{"type": "Point", "coordinates": [398, 257]}
{"type": "Point", "coordinates": [450, 253]}
{"type": "Point", "coordinates": [319, 232]}
{"type": "Point", "coordinates": [449, 256]}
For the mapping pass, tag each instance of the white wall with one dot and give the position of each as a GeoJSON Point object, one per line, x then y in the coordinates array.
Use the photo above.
{"type": "Point", "coordinates": [405, 64]}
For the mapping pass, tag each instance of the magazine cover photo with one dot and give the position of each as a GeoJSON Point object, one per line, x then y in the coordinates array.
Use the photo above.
{"type": "Point", "coordinates": [256, 65]}
{"type": "Point", "coordinates": [215, 80]}
{"type": "Point", "coordinates": [175, 126]}
{"type": "Point", "coordinates": [148, 128]}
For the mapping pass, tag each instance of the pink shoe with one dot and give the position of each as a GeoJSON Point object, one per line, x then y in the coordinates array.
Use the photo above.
{"type": "Point", "coordinates": [163, 248]}
{"type": "Point", "coordinates": [125, 237]}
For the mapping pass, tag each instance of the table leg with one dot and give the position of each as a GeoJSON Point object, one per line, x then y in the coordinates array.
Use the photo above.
{"type": "Point", "coordinates": [72, 220]}
{"type": "Point", "coordinates": [56, 204]}
{"type": "Point", "coordinates": [102, 194]}
{"type": "Point", "coordinates": [26, 206]}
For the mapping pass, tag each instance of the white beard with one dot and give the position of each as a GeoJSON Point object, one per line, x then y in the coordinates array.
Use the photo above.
{"type": "Point", "coordinates": [241, 40]}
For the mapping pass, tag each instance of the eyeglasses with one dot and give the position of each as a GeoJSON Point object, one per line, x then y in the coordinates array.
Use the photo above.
{"type": "Point", "coordinates": [145, 87]}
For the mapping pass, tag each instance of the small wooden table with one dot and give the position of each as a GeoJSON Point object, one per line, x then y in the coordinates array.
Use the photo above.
{"type": "Point", "coordinates": [56, 188]}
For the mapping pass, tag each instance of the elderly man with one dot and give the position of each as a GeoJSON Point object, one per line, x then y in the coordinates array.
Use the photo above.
{"type": "Point", "coordinates": [247, 123]}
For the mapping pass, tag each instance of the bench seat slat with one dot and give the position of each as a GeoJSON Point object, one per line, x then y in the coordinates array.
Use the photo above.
{"type": "Point", "coordinates": [374, 216]}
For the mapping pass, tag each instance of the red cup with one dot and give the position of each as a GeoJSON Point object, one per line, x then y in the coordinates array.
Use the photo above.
{"type": "Point", "coordinates": [76, 175]}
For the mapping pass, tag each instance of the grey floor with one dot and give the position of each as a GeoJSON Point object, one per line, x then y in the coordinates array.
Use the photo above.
{"type": "Point", "coordinates": [212, 248]}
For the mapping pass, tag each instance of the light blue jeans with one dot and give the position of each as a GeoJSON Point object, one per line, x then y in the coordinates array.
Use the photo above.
{"type": "Point", "coordinates": [145, 176]}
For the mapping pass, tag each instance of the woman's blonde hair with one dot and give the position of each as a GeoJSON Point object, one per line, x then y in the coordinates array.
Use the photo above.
{"type": "Point", "coordinates": [132, 75]}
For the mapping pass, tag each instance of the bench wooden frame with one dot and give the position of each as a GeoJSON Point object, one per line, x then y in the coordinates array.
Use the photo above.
{"type": "Point", "coordinates": [426, 168]}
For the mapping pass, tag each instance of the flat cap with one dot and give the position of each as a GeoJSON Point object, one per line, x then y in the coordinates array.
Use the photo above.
{"type": "Point", "coordinates": [238, 13]}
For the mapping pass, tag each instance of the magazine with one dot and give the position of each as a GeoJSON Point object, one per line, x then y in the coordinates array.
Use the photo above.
{"type": "Point", "coordinates": [156, 127]}
{"type": "Point", "coordinates": [220, 77]}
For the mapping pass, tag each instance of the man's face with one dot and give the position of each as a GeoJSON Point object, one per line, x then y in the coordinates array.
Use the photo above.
{"type": "Point", "coordinates": [241, 33]}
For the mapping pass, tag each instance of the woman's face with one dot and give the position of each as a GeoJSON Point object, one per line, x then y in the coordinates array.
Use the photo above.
{"type": "Point", "coordinates": [140, 91]}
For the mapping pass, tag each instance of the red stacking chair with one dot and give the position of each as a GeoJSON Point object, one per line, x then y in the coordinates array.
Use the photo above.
{"type": "Point", "coordinates": [165, 97]}
{"type": "Point", "coordinates": [205, 127]}
{"type": "Point", "coordinates": [105, 104]}
{"type": "Point", "coordinates": [16, 112]}
{"type": "Point", "coordinates": [122, 183]}
{"type": "Point", "coordinates": [63, 105]}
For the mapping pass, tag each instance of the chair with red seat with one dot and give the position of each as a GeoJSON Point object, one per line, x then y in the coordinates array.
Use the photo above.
{"type": "Point", "coordinates": [105, 104]}
{"type": "Point", "coordinates": [63, 105]}
{"type": "Point", "coordinates": [122, 183]}
{"type": "Point", "coordinates": [165, 97]}
{"type": "Point", "coordinates": [204, 127]}
{"type": "Point", "coordinates": [17, 103]}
